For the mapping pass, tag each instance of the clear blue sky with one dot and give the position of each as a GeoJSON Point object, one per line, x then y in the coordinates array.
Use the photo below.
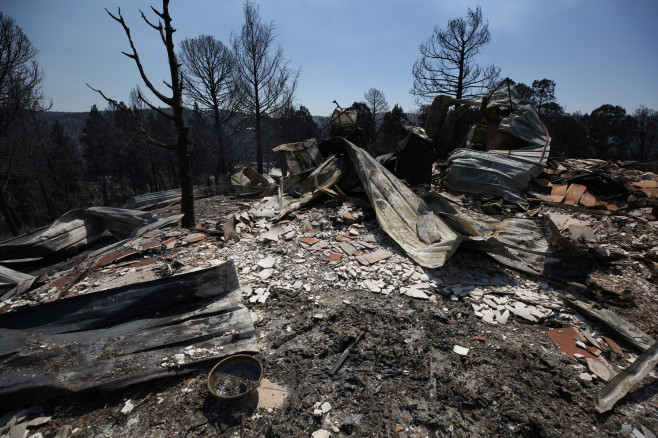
{"type": "Point", "coordinates": [597, 51]}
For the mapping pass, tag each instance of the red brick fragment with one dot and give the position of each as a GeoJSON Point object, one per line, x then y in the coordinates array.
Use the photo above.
{"type": "Point", "coordinates": [589, 200]}
{"type": "Point", "coordinates": [574, 193]}
{"type": "Point", "coordinates": [307, 240]}
{"type": "Point", "coordinates": [170, 243]}
{"type": "Point", "coordinates": [613, 345]}
{"type": "Point", "coordinates": [194, 238]}
{"type": "Point", "coordinates": [332, 257]}
{"type": "Point", "coordinates": [374, 257]}
{"type": "Point", "coordinates": [153, 233]}
{"type": "Point", "coordinates": [150, 245]}
{"type": "Point", "coordinates": [565, 340]}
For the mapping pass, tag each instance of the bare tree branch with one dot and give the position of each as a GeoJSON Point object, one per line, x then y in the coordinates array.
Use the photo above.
{"type": "Point", "coordinates": [446, 64]}
{"type": "Point", "coordinates": [135, 56]}
{"type": "Point", "coordinates": [264, 81]}
{"type": "Point", "coordinates": [138, 121]}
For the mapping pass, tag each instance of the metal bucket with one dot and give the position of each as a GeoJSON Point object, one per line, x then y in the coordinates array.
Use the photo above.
{"type": "Point", "coordinates": [235, 377]}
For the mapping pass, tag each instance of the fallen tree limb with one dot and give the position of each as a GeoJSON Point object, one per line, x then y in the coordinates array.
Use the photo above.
{"type": "Point", "coordinates": [347, 351]}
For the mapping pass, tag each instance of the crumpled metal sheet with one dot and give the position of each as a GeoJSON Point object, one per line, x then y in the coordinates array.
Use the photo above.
{"type": "Point", "coordinates": [522, 121]}
{"type": "Point", "coordinates": [155, 199]}
{"type": "Point", "coordinates": [18, 281]}
{"type": "Point", "coordinates": [431, 229]}
{"type": "Point", "coordinates": [531, 245]}
{"type": "Point", "coordinates": [504, 173]}
{"type": "Point", "coordinates": [301, 156]}
{"type": "Point", "coordinates": [74, 230]}
{"type": "Point", "coordinates": [298, 190]}
{"type": "Point", "coordinates": [248, 182]}
{"type": "Point", "coordinates": [118, 337]}
{"type": "Point", "coordinates": [495, 173]}
{"type": "Point", "coordinates": [405, 217]}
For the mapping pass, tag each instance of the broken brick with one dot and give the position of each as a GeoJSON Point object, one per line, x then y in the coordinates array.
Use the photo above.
{"type": "Point", "coordinates": [150, 245]}
{"type": "Point", "coordinates": [347, 248]}
{"type": "Point", "coordinates": [559, 190]}
{"type": "Point", "coordinates": [307, 240]}
{"type": "Point", "coordinates": [565, 340]}
{"type": "Point", "coordinates": [153, 233]}
{"type": "Point", "coordinates": [170, 243]}
{"type": "Point", "coordinates": [332, 257]}
{"type": "Point", "coordinates": [589, 200]}
{"type": "Point", "coordinates": [114, 256]}
{"type": "Point", "coordinates": [574, 193]}
{"type": "Point", "coordinates": [613, 345]}
{"type": "Point", "coordinates": [374, 257]}
{"type": "Point", "coordinates": [194, 238]}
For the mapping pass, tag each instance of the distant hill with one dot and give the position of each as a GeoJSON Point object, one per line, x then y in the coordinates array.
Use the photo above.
{"type": "Point", "coordinates": [73, 123]}
{"type": "Point", "coordinates": [323, 123]}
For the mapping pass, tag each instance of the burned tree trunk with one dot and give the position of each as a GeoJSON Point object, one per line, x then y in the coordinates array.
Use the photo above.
{"type": "Point", "coordinates": [6, 212]}
{"type": "Point", "coordinates": [175, 102]}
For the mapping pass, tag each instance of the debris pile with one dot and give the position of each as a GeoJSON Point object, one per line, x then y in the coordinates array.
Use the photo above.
{"type": "Point", "coordinates": [374, 310]}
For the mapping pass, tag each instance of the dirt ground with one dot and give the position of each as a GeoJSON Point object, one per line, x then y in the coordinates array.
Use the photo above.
{"type": "Point", "coordinates": [402, 378]}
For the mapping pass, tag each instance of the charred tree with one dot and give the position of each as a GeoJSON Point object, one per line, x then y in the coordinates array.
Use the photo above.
{"type": "Point", "coordinates": [20, 96]}
{"type": "Point", "coordinates": [264, 83]}
{"type": "Point", "coordinates": [447, 66]}
{"type": "Point", "coordinates": [376, 101]}
{"type": "Point", "coordinates": [209, 68]}
{"type": "Point", "coordinates": [173, 101]}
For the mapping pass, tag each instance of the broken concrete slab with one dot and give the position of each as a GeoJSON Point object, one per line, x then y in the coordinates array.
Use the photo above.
{"type": "Point", "coordinates": [267, 262]}
{"type": "Point", "coordinates": [273, 233]}
{"type": "Point", "coordinates": [414, 293]}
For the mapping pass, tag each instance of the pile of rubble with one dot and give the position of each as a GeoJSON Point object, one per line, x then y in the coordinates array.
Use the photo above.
{"type": "Point", "coordinates": [374, 311]}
